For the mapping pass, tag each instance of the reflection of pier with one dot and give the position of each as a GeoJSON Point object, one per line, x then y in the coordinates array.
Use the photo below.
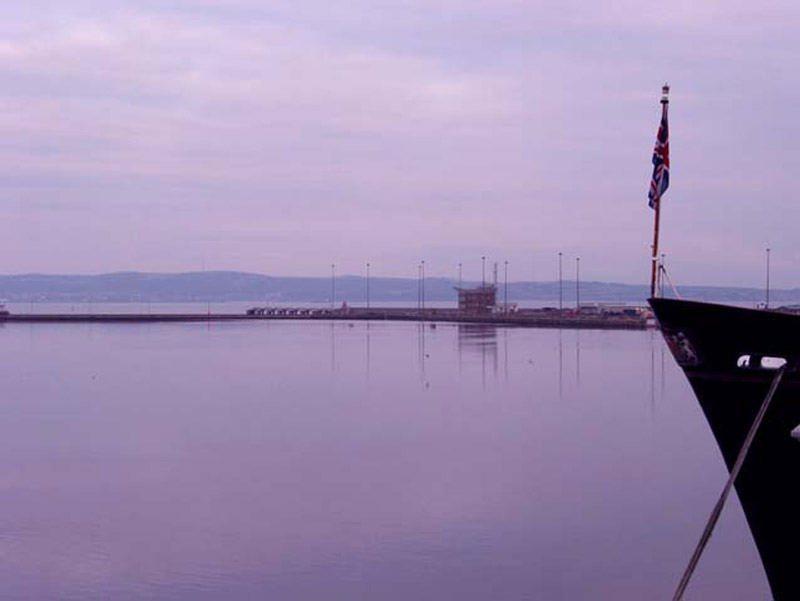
{"type": "Point", "coordinates": [480, 339]}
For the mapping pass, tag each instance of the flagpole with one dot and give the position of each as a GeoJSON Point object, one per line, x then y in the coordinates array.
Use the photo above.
{"type": "Point", "coordinates": [654, 266]}
{"type": "Point", "coordinates": [657, 219]}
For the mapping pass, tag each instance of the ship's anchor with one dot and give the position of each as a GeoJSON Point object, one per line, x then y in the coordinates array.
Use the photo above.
{"type": "Point", "coordinates": [712, 520]}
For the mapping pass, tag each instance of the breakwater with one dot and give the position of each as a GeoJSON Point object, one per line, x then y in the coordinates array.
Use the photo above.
{"type": "Point", "coordinates": [540, 318]}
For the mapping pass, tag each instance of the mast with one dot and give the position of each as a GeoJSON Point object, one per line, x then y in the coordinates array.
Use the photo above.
{"type": "Point", "coordinates": [657, 198]}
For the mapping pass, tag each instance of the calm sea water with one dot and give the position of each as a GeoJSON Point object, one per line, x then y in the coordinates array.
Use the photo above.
{"type": "Point", "coordinates": [318, 461]}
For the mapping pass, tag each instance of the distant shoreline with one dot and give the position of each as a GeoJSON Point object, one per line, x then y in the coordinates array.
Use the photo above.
{"type": "Point", "coordinates": [233, 286]}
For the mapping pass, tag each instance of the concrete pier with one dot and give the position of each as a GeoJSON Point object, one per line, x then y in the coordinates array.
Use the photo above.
{"type": "Point", "coordinates": [531, 318]}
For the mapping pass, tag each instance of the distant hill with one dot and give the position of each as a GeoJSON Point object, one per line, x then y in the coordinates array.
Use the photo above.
{"type": "Point", "coordinates": [238, 286]}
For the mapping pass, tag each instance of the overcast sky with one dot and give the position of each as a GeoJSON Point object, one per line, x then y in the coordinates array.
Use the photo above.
{"type": "Point", "coordinates": [281, 136]}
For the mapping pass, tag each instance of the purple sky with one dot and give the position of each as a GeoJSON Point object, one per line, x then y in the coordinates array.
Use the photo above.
{"type": "Point", "coordinates": [278, 137]}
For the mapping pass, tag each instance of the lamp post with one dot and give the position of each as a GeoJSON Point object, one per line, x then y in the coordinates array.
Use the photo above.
{"type": "Point", "coordinates": [767, 303]}
{"type": "Point", "coordinates": [578, 284]}
{"type": "Point", "coordinates": [419, 286]}
{"type": "Point", "coordinates": [483, 271]}
{"type": "Point", "coordinates": [422, 264]}
{"type": "Point", "coordinates": [505, 286]}
{"type": "Point", "coordinates": [367, 285]}
{"type": "Point", "coordinates": [460, 287]}
{"type": "Point", "coordinates": [560, 286]}
{"type": "Point", "coordinates": [333, 285]}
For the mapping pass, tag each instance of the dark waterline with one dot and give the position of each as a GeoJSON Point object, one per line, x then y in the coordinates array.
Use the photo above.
{"type": "Point", "coordinates": [301, 461]}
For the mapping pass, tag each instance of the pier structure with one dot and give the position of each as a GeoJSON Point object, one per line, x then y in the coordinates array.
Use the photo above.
{"type": "Point", "coordinates": [534, 318]}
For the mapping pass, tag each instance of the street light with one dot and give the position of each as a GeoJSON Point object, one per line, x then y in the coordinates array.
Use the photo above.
{"type": "Point", "coordinates": [578, 283]}
{"type": "Point", "coordinates": [423, 283]}
{"type": "Point", "coordinates": [333, 285]}
{"type": "Point", "coordinates": [505, 286]}
{"type": "Point", "coordinates": [767, 303]}
{"type": "Point", "coordinates": [419, 286]}
{"type": "Point", "coordinates": [367, 285]}
{"type": "Point", "coordinates": [483, 271]}
{"type": "Point", "coordinates": [560, 285]}
{"type": "Point", "coordinates": [460, 287]}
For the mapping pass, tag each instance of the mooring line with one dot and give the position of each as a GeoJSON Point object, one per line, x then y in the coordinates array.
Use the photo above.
{"type": "Point", "coordinates": [712, 520]}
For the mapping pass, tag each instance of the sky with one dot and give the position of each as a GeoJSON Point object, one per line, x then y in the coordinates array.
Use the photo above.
{"type": "Point", "coordinates": [281, 137]}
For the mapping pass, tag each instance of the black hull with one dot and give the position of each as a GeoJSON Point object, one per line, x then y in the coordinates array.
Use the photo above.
{"type": "Point", "coordinates": [708, 342]}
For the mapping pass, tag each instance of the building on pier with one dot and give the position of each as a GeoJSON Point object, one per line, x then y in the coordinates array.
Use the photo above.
{"type": "Point", "coordinates": [477, 301]}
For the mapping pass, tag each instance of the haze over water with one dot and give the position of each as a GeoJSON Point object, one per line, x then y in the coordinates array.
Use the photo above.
{"type": "Point", "coordinates": [336, 461]}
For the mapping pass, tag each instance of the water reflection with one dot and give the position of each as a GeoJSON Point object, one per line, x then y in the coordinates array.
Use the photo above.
{"type": "Point", "coordinates": [191, 483]}
{"type": "Point", "coordinates": [480, 339]}
{"type": "Point", "coordinates": [560, 364]}
{"type": "Point", "coordinates": [505, 354]}
{"type": "Point", "coordinates": [421, 352]}
{"type": "Point", "coordinates": [369, 351]}
{"type": "Point", "coordinates": [333, 346]}
{"type": "Point", "coordinates": [652, 372]}
{"type": "Point", "coordinates": [477, 337]}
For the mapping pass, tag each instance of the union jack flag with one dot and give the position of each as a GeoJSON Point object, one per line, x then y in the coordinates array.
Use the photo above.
{"type": "Point", "coordinates": [660, 181]}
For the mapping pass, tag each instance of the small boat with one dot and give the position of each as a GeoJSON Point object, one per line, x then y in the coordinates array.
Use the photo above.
{"type": "Point", "coordinates": [731, 356]}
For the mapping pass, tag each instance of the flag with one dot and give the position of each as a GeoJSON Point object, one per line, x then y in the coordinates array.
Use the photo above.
{"type": "Point", "coordinates": [660, 181]}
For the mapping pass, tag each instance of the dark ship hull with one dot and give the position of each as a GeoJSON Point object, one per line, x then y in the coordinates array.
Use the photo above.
{"type": "Point", "coordinates": [730, 356]}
